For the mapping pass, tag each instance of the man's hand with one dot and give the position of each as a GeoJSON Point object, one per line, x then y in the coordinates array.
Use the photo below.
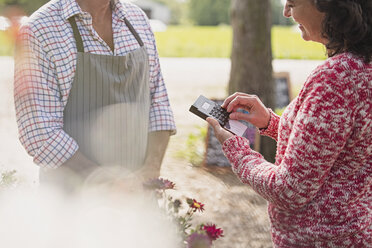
{"type": "Point", "coordinates": [220, 132]}
{"type": "Point", "coordinates": [149, 171]}
{"type": "Point", "coordinates": [80, 165]}
{"type": "Point", "coordinates": [156, 147]}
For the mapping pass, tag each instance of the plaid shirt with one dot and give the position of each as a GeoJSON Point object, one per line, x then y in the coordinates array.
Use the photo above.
{"type": "Point", "coordinates": [45, 64]}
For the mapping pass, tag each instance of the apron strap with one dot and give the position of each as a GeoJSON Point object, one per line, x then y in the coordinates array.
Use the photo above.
{"type": "Point", "coordinates": [78, 40]}
{"type": "Point", "coordinates": [134, 32]}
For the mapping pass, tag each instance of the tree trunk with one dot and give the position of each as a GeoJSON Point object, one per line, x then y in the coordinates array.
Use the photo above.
{"type": "Point", "coordinates": [251, 57]}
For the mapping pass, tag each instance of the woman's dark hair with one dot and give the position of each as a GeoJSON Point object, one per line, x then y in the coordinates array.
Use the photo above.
{"type": "Point", "coordinates": [347, 26]}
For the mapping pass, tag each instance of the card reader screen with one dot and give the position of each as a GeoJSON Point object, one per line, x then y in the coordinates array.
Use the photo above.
{"type": "Point", "coordinates": [206, 106]}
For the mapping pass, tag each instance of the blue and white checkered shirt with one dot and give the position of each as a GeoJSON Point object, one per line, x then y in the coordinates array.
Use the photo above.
{"type": "Point", "coordinates": [45, 64]}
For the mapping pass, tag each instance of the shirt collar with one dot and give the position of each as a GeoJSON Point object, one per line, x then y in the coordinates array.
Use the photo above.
{"type": "Point", "coordinates": [70, 8]}
{"type": "Point", "coordinates": [118, 8]}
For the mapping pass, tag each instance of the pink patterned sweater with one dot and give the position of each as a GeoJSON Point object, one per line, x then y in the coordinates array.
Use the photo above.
{"type": "Point", "coordinates": [319, 189]}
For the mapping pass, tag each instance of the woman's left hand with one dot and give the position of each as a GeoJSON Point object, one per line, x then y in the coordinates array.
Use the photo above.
{"type": "Point", "coordinates": [220, 132]}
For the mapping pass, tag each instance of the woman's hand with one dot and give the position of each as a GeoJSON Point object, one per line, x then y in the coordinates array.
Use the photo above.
{"type": "Point", "coordinates": [258, 114]}
{"type": "Point", "coordinates": [220, 132]}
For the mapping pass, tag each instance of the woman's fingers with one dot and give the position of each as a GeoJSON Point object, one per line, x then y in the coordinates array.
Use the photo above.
{"type": "Point", "coordinates": [231, 97]}
{"type": "Point", "coordinates": [214, 123]}
{"type": "Point", "coordinates": [228, 100]}
{"type": "Point", "coordinates": [258, 114]}
{"type": "Point", "coordinates": [220, 132]}
{"type": "Point", "coordinates": [247, 101]}
{"type": "Point", "coordinates": [241, 116]}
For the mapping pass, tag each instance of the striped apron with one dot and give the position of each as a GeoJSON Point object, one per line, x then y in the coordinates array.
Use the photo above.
{"type": "Point", "coordinates": [107, 110]}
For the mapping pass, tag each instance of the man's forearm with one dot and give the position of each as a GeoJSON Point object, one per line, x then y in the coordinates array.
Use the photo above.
{"type": "Point", "coordinates": [80, 164]}
{"type": "Point", "coordinates": [156, 147]}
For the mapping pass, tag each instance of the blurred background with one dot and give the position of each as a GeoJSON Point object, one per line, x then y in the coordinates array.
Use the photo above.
{"type": "Point", "coordinates": [208, 47]}
{"type": "Point", "coordinates": [184, 28]}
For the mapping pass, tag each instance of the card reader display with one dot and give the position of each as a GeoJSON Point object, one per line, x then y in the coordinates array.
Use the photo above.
{"type": "Point", "coordinates": [204, 107]}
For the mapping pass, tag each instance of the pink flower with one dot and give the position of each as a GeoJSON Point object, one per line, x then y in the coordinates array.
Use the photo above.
{"type": "Point", "coordinates": [159, 183]}
{"type": "Point", "coordinates": [198, 240]}
{"type": "Point", "coordinates": [212, 231]}
{"type": "Point", "coordinates": [195, 205]}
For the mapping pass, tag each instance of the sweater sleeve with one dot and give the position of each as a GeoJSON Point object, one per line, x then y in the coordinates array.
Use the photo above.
{"type": "Point", "coordinates": [318, 135]}
{"type": "Point", "coordinates": [272, 129]}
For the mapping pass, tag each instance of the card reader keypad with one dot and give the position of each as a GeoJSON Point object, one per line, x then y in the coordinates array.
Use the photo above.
{"type": "Point", "coordinates": [220, 114]}
{"type": "Point", "coordinates": [204, 108]}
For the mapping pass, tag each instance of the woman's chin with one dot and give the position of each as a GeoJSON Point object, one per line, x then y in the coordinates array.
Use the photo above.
{"type": "Point", "coordinates": [305, 36]}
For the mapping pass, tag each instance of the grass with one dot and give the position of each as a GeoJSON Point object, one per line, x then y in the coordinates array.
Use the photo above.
{"type": "Point", "coordinates": [194, 41]}
{"type": "Point", "coordinates": [194, 150]}
{"type": "Point", "coordinates": [287, 43]}
{"type": "Point", "coordinates": [209, 42]}
{"type": "Point", "coordinates": [6, 44]}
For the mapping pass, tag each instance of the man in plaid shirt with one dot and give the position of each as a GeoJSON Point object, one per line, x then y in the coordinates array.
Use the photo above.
{"type": "Point", "coordinates": [49, 72]}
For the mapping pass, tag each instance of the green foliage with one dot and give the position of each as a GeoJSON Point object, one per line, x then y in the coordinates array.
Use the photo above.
{"type": "Point", "coordinates": [277, 14]}
{"type": "Point", "coordinates": [201, 12]}
{"type": "Point", "coordinates": [279, 111]}
{"type": "Point", "coordinates": [174, 209]}
{"type": "Point", "coordinates": [8, 179]}
{"type": "Point", "coordinates": [209, 12]}
{"type": "Point", "coordinates": [6, 44]}
{"type": "Point", "coordinates": [214, 12]}
{"type": "Point", "coordinates": [178, 10]}
{"type": "Point", "coordinates": [195, 147]}
{"type": "Point", "coordinates": [29, 6]}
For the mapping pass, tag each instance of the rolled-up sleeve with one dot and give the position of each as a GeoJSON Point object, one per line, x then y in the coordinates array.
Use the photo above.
{"type": "Point", "coordinates": [39, 110]}
{"type": "Point", "coordinates": [161, 114]}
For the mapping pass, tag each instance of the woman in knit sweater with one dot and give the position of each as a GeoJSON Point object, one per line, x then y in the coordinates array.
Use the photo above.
{"type": "Point", "coordinates": [319, 189]}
